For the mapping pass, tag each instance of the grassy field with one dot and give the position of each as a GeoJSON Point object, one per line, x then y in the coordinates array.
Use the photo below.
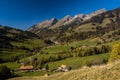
{"type": "Point", "coordinates": [12, 65]}
{"type": "Point", "coordinates": [74, 62]}
{"type": "Point", "coordinates": [111, 43]}
{"type": "Point", "coordinates": [103, 72]}
{"type": "Point", "coordinates": [30, 43]}
{"type": "Point", "coordinates": [77, 62]}
{"type": "Point", "coordinates": [53, 49]}
{"type": "Point", "coordinates": [8, 53]}
{"type": "Point", "coordinates": [89, 42]}
{"type": "Point", "coordinates": [37, 73]}
{"type": "Point", "coordinates": [60, 48]}
{"type": "Point", "coordinates": [38, 56]}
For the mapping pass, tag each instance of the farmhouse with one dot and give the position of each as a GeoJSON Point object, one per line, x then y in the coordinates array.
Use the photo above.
{"type": "Point", "coordinates": [26, 68]}
{"type": "Point", "coordinates": [63, 68]}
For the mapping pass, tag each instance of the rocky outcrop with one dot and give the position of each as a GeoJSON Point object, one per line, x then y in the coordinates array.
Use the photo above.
{"type": "Point", "coordinates": [44, 24]}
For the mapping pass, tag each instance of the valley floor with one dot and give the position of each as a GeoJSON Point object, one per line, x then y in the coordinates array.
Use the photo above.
{"type": "Point", "coordinates": [104, 72]}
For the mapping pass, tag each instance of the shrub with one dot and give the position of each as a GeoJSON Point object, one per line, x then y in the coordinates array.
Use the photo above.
{"type": "Point", "coordinates": [47, 67]}
{"type": "Point", "coordinates": [98, 61]}
{"type": "Point", "coordinates": [5, 72]}
{"type": "Point", "coordinates": [115, 54]}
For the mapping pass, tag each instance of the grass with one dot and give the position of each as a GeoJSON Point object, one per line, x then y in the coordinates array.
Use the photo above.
{"type": "Point", "coordinates": [89, 42]}
{"type": "Point", "coordinates": [36, 73]}
{"type": "Point", "coordinates": [103, 72]}
{"type": "Point", "coordinates": [29, 43]}
{"type": "Point", "coordinates": [60, 48]}
{"type": "Point", "coordinates": [12, 65]}
{"type": "Point", "coordinates": [111, 43]}
{"type": "Point", "coordinates": [85, 27]}
{"type": "Point", "coordinates": [9, 35]}
{"type": "Point", "coordinates": [8, 53]}
{"type": "Point", "coordinates": [77, 62]}
{"type": "Point", "coordinates": [39, 56]}
{"type": "Point", "coordinates": [84, 42]}
{"type": "Point", "coordinates": [89, 26]}
{"type": "Point", "coordinates": [105, 21]}
{"type": "Point", "coordinates": [74, 62]}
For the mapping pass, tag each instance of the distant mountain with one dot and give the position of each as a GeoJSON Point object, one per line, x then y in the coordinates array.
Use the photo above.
{"type": "Point", "coordinates": [54, 23]}
{"type": "Point", "coordinates": [44, 24]}
{"type": "Point", "coordinates": [100, 23]}
{"type": "Point", "coordinates": [62, 21]}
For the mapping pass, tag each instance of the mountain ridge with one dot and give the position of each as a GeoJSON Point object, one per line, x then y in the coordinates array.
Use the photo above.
{"type": "Point", "coordinates": [66, 20]}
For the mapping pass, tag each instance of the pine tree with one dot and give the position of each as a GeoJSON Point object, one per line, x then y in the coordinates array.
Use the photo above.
{"type": "Point", "coordinates": [47, 67]}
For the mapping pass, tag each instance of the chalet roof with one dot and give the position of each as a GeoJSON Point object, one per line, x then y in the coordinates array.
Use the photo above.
{"type": "Point", "coordinates": [63, 66]}
{"type": "Point", "coordinates": [26, 67]}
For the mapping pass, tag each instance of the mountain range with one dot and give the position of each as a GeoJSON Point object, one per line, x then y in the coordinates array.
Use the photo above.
{"type": "Point", "coordinates": [54, 23]}
{"type": "Point", "coordinates": [82, 26]}
{"type": "Point", "coordinates": [79, 27]}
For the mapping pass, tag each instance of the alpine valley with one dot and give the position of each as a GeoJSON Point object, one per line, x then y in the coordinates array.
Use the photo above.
{"type": "Point", "coordinates": [80, 47]}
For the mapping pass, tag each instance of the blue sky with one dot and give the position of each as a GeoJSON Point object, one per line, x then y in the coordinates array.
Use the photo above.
{"type": "Point", "coordinates": [24, 13]}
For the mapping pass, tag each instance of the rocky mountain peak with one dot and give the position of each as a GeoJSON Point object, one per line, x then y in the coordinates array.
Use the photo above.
{"type": "Point", "coordinates": [98, 12]}
{"type": "Point", "coordinates": [67, 18]}
{"type": "Point", "coordinates": [53, 21]}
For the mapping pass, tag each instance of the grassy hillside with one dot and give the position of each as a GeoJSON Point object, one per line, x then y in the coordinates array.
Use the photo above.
{"type": "Point", "coordinates": [16, 43]}
{"type": "Point", "coordinates": [74, 63]}
{"type": "Point", "coordinates": [103, 72]}
{"type": "Point", "coordinates": [78, 62]}
{"type": "Point", "coordinates": [9, 53]}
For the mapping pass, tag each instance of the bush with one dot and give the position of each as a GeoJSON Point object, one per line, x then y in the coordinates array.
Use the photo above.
{"type": "Point", "coordinates": [47, 67]}
{"type": "Point", "coordinates": [115, 54]}
{"type": "Point", "coordinates": [98, 61]}
{"type": "Point", "coordinates": [5, 72]}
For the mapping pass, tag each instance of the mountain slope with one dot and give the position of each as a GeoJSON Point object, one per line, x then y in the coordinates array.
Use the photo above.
{"type": "Point", "coordinates": [15, 42]}
{"type": "Point", "coordinates": [62, 22]}
{"type": "Point", "coordinates": [42, 25]}
{"type": "Point", "coordinates": [96, 26]}
{"type": "Point", "coordinates": [8, 34]}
